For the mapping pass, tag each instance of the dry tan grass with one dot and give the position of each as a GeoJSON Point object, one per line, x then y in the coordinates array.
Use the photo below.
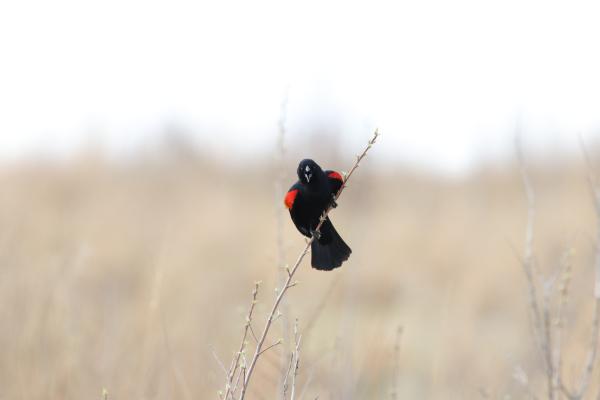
{"type": "Point", "coordinates": [126, 277]}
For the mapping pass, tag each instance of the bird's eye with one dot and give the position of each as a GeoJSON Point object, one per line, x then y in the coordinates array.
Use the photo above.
{"type": "Point", "coordinates": [307, 169]}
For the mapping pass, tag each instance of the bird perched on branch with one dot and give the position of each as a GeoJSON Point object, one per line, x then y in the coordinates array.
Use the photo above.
{"type": "Point", "coordinates": [307, 199]}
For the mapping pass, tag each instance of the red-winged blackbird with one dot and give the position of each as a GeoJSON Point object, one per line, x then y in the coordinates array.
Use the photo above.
{"type": "Point", "coordinates": [307, 199]}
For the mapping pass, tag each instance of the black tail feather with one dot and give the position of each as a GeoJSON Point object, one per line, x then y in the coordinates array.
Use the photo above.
{"type": "Point", "coordinates": [329, 252]}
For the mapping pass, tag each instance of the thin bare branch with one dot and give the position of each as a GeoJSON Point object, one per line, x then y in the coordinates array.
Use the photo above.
{"type": "Point", "coordinates": [286, 286]}
{"type": "Point", "coordinates": [595, 189]}
{"type": "Point", "coordinates": [567, 392]}
{"type": "Point", "coordinates": [547, 344]}
{"type": "Point", "coordinates": [565, 279]}
{"type": "Point", "coordinates": [586, 375]}
{"type": "Point", "coordinates": [252, 332]}
{"type": "Point", "coordinates": [396, 367]}
{"type": "Point", "coordinates": [296, 355]}
{"type": "Point", "coordinates": [280, 180]}
{"type": "Point", "coordinates": [307, 383]}
{"type": "Point", "coordinates": [237, 381]}
{"type": "Point", "coordinates": [277, 343]}
{"type": "Point", "coordinates": [236, 358]}
{"type": "Point", "coordinates": [528, 246]}
{"type": "Point", "coordinates": [287, 375]}
{"type": "Point", "coordinates": [318, 309]}
{"type": "Point", "coordinates": [541, 317]}
{"type": "Point", "coordinates": [593, 345]}
{"type": "Point", "coordinates": [218, 360]}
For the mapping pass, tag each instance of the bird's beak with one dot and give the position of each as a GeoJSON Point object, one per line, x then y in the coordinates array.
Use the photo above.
{"type": "Point", "coordinates": [307, 176]}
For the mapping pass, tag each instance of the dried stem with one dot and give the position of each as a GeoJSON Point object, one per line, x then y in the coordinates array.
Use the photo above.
{"type": "Point", "coordinates": [565, 279]}
{"type": "Point", "coordinates": [318, 309]}
{"type": "Point", "coordinates": [279, 217]}
{"type": "Point", "coordinates": [296, 358]}
{"type": "Point", "coordinates": [593, 346]}
{"type": "Point", "coordinates": [287, 375]}
{"type": "Point", "coordinates": [541, 318]}
{"type": "Point", "coordinates": [293, 364]}
{"type": "Point", "coordinates": [277, 343]}
{"type": "Point", "coordinates": [396, 368]}
{"type": "Point", "coordinates": [292, 271]}
{"type": "Point", "coordinates": [528, 247]}
{"type": "Point", "coordinates": [592, 353]}
{"type": "Point", "coordinates": [236, 358]}
{"type": "Point", "coordinates": [595, 188]}
{"type": "Point", "coordinates": [547, 344]}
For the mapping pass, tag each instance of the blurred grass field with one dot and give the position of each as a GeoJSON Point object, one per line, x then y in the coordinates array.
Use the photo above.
{"type": "Point", "coordinates": [128, 275]}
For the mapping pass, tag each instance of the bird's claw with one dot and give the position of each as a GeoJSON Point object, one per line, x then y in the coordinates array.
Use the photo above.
{"type": "Point", "coordinates": [316, 234]}
{"type": "Point", "coordinates": [333, 202]}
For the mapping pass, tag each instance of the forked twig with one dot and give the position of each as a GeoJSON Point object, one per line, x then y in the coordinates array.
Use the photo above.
{"type": "Point", "coordinates": [289, 281]}
{"type": "Point", "coordinates": [236, 358]}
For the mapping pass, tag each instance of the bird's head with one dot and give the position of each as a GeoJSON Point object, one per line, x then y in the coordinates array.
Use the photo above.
{"type": "Point", "coordinates": [308, 171]}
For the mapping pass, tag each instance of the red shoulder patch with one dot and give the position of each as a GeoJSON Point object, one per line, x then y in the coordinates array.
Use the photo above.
{"type": "Point", "coordinates": [290, 197]}
{"type": "Point", "coordinates": [336, 175]}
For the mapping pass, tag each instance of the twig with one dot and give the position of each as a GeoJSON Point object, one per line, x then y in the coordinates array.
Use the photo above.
{"type": "Point", "coordinates": [307, 383]}
{"type": "Point", "coordinates": [277, 343]}
{"type": "Point", "coordinates": [547, 343]}
{"type": "Point", "coordinates": [252, 333]}
{"type": "Point", "coordinates": [316, 313]}
{"type": "Point", "coordinates": [593, 349]}
{"type": "Point", "coordinates": [595, 188]}
{"type": "Point", "coordinates": [567, 392]}
{"type": "Point", "coordinates": [592, 353]}
{"type": "Point", "coordinates": [236, 358]}
{"type": "Point", "coordinates": [237, 380]}
{"type": "Point", "coordinates": [279, 217]}
{"type": "Point", "coordinates": [542, 327]}
{"type": "Point", "coordinates": [396, 368]}
{"type": "Point", "coordinates": [287, 375]}
{"type": "Point", "coordinates": [528, 247]}
{"type": "Point", "coordinates": [280, 180]}
{"type": "Point", "coordinates": [296, 355]}
{"type": "Point", "coordinates": [565, 279]}
{"type": "Point", "coordinates": [218, 360]}
{"type": "Point", "coordinates": [292, 272]}
{"type": "Point", "coordinates": [295, 363]}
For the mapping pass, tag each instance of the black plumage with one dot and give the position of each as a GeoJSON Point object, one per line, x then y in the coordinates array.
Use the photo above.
{"type": "Point", "coordinates": [307, 199]}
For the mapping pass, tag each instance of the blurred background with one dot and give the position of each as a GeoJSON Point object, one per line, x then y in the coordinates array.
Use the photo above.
{"type": "Point", "coordinates": [145, 148]}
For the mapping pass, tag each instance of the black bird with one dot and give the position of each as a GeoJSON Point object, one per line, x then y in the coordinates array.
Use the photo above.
{"type": "Point", "coordinates": [307, 199]}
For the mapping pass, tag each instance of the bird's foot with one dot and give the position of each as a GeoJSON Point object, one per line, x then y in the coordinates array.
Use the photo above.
{"type": "Point", "coordinates": [316, 234]}
{"type": "Point", "coordinates": [333, 202]}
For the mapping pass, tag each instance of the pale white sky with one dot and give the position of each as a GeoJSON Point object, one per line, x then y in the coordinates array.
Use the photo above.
{"type": "Point", "coordinates": [445, 81]}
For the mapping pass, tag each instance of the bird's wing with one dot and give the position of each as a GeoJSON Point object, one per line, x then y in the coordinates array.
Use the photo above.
{"type": "Point", "coordinates": [293, 201]}
{"type": "Point", "coordinates": [336, 180]}
{"type": "Point", "coordinates": [290, 196]}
